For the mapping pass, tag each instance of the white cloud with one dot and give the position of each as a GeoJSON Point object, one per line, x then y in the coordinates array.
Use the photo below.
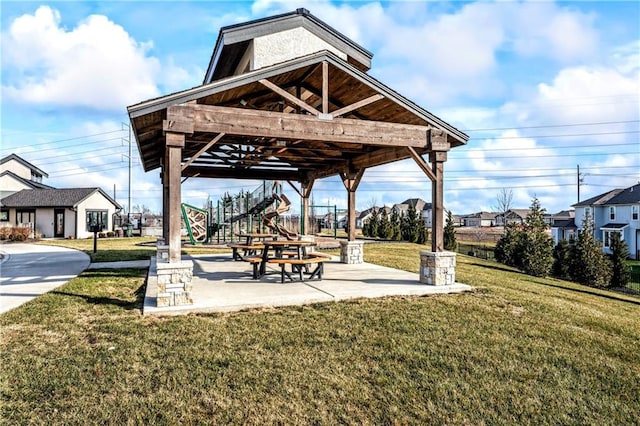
{"type": "Point", "coordinates": [96, 64]}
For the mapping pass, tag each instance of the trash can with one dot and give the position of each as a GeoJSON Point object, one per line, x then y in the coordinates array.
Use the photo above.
{"type": "Point", "coordinates": [128, 230]}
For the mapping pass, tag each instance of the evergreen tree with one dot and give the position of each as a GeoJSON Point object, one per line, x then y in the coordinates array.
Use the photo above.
{"type": "Point", "coordinates": [450, 242]}
{"type": "Point", "coordinates": [374, 222]}
{"type": "Point", "coordinates": [510, 246]}
{"type": "Point", "coordinates": [409, 225]}
{"type": "Point", "coordinates": [562, 260]}
{"type": "Point", "coordinates": [537, 256]}
{"type": "Point", "coordinates": [396, 234]}
{"type": "Point", "coordinates": [384, 226]}
{"type": "Point", "coordinates": [621, 273]}
{"type": "Point", "coordinates": [589, 265]}
{"type": "Point", "coordinates": [365, 229]}
{"type": "Point", "coordinates": [423, 231]}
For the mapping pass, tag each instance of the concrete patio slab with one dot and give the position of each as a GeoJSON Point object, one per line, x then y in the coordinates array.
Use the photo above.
{"type": "Point", "coordinates": [221, 284]}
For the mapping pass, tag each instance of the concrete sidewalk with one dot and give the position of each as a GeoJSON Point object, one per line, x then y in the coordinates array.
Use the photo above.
{"type": "Point", "coordinates": [221, 284]}
{"type": "Point", "coordinates": [29, 270]}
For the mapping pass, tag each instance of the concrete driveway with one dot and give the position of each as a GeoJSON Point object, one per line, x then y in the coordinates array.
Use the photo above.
{"type": "Point", "coordinates": [29, 270]}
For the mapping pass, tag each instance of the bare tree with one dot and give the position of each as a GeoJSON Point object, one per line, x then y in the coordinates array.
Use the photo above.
{"type": "Point", "coordinates": [503, 203]}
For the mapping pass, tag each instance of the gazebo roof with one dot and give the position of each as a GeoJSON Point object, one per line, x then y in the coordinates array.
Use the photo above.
{"type": "Point", "coordinates": [289, 158]}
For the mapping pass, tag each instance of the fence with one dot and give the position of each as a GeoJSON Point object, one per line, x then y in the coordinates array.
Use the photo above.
{"type": "Point", "coordinates": [634, 282]}
{"type": "Point", "coordinates": [480, 251]}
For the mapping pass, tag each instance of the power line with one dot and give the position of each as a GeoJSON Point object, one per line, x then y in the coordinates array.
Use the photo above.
{"type": "Point", "coordinates": [547, 126]}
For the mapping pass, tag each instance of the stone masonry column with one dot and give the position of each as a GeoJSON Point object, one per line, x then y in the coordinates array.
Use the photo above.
{"type": "Point", "coordinates": [352, 252]}
{"type": "Point", "coordinates": [437, 268]}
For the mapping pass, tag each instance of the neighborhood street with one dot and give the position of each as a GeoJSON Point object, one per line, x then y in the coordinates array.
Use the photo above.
{"type": "Point", "coordinates": [29, 270]}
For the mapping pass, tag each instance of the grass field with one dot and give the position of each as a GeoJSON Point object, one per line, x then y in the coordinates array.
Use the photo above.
{"type": "Point", "coordinates": [518, 350]}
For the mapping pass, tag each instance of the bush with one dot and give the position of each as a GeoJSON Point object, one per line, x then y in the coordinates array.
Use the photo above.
{"type": "Point", "coordinates": [111, 234]}
{"type": "Point", "coordinates": [589, 265]}
{"type": "Point", "coordinates": [562, 260]}
{"type": "Point", "coordinates": [621, 272]}
{"type": "Point", "coordinates": [20, 233]}
{"type": "Point", "coordinates": [5, 233]}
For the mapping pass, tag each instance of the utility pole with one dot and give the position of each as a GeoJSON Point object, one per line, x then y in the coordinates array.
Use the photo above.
{"type": "Point", "coordinates": [130, 156]}
{"type": "Point", "coordinates": [580, 179]}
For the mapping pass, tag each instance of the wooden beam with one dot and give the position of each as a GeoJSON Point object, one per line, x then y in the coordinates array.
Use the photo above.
{"type": "Point", "coordinates": [437, 200]}
{"type": "Point", "coordinates": [295, 188]}
{"type": "Point", "coordinates": [203, 150]}
{"type": "Point", "coordinates": [422, 163]}
{"type": "Point", "coordinates": [351, 181]}
{"type": "Point", "coordinates": [245, 122]}
{"type": "Point", "coordinates": [288, 96]}
{"type": "Point", "coordinates": [227, 172]}
{"type": "Point", "coordinates": [354, 106]}
{"type": "Point", "coordinates": [325, 87]}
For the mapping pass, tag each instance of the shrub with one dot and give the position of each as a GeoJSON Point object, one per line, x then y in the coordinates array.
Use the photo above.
{"type": "Point", "coordinates": [102, 234]}
{"type": "Point", "coordinates": [5, 233]}
{"type": "Point", "coordinates": [562, 260]}
{"type": "Point", "coordinates": [450, 242]}
{"type": "Point", "coordinates": [537, 254]}
{"type": "Point", "coordinates": [20, 233]}
{"type": "Point", "coordinates": [589, 265]}
{"type": "Point", "coordinates": [111, 234]}
{"type": "Point", "coordinates": [620, 270]}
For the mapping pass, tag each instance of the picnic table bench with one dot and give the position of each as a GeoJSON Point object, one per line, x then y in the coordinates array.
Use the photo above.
{"type": "Point", "coordinates": [300, 266]}
{"type": "Point", "coordinates": [247, 249]}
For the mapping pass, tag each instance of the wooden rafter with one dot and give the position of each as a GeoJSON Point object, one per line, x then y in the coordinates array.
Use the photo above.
{"type": "Point", "coordinates": [288, 96]}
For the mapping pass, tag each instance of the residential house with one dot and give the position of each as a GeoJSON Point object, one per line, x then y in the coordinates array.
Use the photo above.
{"type": "Point", "coordinates": [481, 219]}
{"type": "Point", "coordinates": [60, 212]}
{"type": "Point", "coordinates": [17, 174]}
{"type": "Point", "coordinates": [48, 211]}
{"type": "Point", "coordinates": [615, 211]}
{"type": "Point", "coordinates": [423, 208]}
{"type": "Point", "coordinates": [563, 226]}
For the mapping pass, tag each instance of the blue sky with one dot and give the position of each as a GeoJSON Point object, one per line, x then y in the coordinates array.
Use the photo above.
{"type": "Point", "coordinates": [541, 87]}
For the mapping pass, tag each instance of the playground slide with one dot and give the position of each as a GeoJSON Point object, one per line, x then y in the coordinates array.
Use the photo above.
{"type": "Point", "coordinates": [269, 218]}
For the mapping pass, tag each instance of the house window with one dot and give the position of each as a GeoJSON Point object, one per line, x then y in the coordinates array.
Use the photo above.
{"type": "Point", "coordinates": [634, 212]}
{"type": "Point", "coordinates": [4, 216]}
{"type": "Point", "coordinates": [26, 217]}
{"type": "Point", "coordinates": [97, 217]}
{"type": "Point", "coordinates": [612, 213]}
{"type": "Point", "coordinates": [607, 237]}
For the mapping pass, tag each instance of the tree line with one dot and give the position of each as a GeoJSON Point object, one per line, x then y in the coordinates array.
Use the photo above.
{"type": "Point", "coordinates": [529, 248]}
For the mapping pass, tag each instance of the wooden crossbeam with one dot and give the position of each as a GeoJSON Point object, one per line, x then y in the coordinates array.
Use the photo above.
{"type": "Point", "coordinates": [203, 150]}
{"type": "Point", "coordinates": [354, 106]}
{"type": "Point", "coordinates": [288, 96]}
{"type": "Point", "coordinates": [422, 164]}
{"type": "Point", "coordinates": [245, 122]}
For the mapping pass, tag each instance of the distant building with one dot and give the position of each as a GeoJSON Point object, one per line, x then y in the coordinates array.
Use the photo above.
{"type": "Point", "coordinates": [615, 211]}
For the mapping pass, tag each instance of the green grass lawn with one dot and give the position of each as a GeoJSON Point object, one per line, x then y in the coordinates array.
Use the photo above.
{"type": "Point", "coordinates": [517, 350]}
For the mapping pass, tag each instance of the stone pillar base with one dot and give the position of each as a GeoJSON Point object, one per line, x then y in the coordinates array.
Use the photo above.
{"type": "Point", "coordinates": [438, 268]}
{"type": "Point", "coordinates": [351, 252]}
{"type": "Point", "coordinates": [162, 251]}
{"type": "Point", "coordinates": [174, 283]}
{"type": "Point", "coordinates": [310, 238]}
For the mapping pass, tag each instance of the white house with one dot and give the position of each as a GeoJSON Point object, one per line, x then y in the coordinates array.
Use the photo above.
{"type": "Point", "coordinates": [614, 211]}
{"type": "Point", "coordinates": [60, 212]}
{"type": "Point", "coordinates": [17, 174]}
{"type": "Point", "coordinates": [48, 211]}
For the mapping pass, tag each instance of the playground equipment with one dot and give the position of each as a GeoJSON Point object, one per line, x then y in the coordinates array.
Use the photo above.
{"type": "Point", "coordinates": [195, 220]}
{"type": "Point", "coordinates": [269, 219]}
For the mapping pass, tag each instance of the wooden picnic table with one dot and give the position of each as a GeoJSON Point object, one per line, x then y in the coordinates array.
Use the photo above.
{"type": "Point", "coordinates": [250, 246]}
{"type": "Point", "coordinates": [251, 237]}
{"type": "Point", "coordinates": [292, 253]}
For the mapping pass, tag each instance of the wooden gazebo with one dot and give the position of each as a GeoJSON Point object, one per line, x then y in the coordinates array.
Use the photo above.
{"type": "Point", "coordinates": [287, 98]}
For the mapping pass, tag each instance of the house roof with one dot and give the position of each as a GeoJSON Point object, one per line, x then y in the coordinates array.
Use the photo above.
{"type": "Point", "coordinates": [523, 213]}
{"type": "Point", "coordinates": [297, 158]}
{"type": "Point", "coordinates": [629, 195]}
{"type": "Point", "coordinates": [418, 203]}
{"type": "Point", "coordinates": [31, 183]}
{"type": "Point", "coordinates": [614, 226]}
{"type": "Point", "coordinates": [24, 162]}
{"type": "Point", "coordinates": [234, 40]}
{"type": "Point", "coordinates": [32, 198]}
{"type": "Point", "coordinates": [567, 224]}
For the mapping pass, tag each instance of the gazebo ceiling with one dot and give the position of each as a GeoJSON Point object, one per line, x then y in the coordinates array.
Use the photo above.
{"type": "Point", "coordinates": [268, 151]}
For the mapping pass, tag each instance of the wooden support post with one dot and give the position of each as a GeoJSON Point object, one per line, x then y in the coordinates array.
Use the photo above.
{"type": "Point", "coordinates": [437, 160]}
{"type": "Point", "coordinates": [173, 173]}
{"type": "Point", "coordinates": [351, 181]}
{"type": "Point", "coordinates": [165, 205]}
{"type": "Point", "coordinates": [325, 87]}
